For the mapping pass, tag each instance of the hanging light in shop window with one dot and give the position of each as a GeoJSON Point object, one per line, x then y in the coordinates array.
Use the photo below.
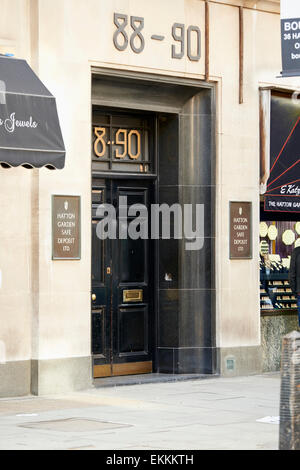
{"type": "Point", "coordinates": [297, 242]}
{"type": "Point", "coordinates": [297, 227]}
{"type": "Point", "coordinates": [272, 232]}
{"type": "Point", "coordinates": [263, 229]}
{"type": "Point", "coordinates": [288, 237]}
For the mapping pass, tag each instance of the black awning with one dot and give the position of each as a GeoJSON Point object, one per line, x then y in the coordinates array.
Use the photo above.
{"type": "Point", "coordinates": [30, 133]}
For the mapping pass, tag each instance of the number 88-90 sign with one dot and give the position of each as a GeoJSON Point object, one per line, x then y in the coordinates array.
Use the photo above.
{"type": "Point", "coordinates": [187, 40]}
{"type": "Point", "coordinates": [126, 143]}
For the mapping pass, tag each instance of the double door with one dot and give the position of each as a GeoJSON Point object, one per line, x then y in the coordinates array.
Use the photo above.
{"type": "Point", "coordinates": [122, 279]}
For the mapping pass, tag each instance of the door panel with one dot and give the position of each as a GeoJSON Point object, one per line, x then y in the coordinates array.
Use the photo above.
{"type": "Point", "coordinates": [122, 287]}
{"type": "Point", "coordinates": [101, 284]}
{"type": "Point", "coordinates": [98, 332]}
{"type": "Point", "coordinates": [132, 261]}
{"type": "Point", "coordinates": [133, 325]}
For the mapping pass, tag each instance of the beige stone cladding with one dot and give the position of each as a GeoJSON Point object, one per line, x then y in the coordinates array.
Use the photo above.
{"type": "Point", "coordinates": [45, 304]}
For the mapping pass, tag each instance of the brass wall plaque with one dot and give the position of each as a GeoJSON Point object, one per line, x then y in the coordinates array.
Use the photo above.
{"type": "Point", "coordinates": [66, 230]}
{"type": "Point", "coordinates": [240, 230]}
{"type": "Point", "coordinates": [134, 295]}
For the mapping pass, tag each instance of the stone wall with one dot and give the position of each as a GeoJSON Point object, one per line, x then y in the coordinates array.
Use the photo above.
{"type": "Point", "coordinates": [273, 328]}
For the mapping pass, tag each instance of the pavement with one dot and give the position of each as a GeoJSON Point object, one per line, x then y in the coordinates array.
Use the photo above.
{"type": "Point", "coordinates": [195, 414]}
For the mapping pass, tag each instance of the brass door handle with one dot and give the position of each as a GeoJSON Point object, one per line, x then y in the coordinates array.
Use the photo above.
{"type": "Point", "coordinates": [94, 297]}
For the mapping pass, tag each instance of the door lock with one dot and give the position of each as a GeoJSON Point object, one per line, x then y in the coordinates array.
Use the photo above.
{"type": "Point", "coordinates": [108, 270]}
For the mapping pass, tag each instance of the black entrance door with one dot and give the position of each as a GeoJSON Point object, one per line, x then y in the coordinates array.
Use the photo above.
{"type": "Point", "coordinates": [122, 283]}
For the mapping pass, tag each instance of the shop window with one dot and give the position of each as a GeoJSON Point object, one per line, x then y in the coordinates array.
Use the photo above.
{"type": "Point", "coordinates": [280, 197]}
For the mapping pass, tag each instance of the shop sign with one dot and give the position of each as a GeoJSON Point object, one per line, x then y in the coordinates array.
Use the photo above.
{"type": "Point", "coordinates": [66, 230]}
{"type": "Point", "coordinates": [283, 185]}
{"type": "Point", "coordinates": [240, 230]}
{"type": "Point", "coordinates": [290, 37]}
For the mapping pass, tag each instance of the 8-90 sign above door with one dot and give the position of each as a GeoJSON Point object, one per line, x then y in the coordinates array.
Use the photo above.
{"type": "Point", "coordinates": [122, 142]}
{"type": "Point", "coordinates": [128, 140]}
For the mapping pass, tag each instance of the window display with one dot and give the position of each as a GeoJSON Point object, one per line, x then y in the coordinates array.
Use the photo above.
{"type": "Point", "coordinates": [277, 241]}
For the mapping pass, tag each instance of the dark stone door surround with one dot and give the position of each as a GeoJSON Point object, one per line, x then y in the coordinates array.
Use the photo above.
{"type": "Point", "coordinates": [185, 335]}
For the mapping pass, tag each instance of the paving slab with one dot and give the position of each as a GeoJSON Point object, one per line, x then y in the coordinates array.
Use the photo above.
{"type": "Point", "coordinates": [219, 413]}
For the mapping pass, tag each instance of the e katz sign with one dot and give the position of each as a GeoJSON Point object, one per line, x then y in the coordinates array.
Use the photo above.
{"type": "Point", "coordinates": [290, 37]}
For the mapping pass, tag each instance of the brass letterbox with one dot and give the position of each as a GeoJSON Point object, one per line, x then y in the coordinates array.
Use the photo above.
{"type": "Point", "coordinates": [134, 295]}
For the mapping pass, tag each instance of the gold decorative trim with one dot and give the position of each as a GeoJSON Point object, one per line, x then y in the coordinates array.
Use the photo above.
{"type": "Point", "coordinates": [128, 368]}
{"type": "Point", "coordinates": [132, 368]}
{"type": "Point", "coordinates": [102, 371]}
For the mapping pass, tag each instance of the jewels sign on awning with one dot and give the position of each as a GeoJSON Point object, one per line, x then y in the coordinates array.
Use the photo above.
{"type": "Point", "coordinates": [30, 133]}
